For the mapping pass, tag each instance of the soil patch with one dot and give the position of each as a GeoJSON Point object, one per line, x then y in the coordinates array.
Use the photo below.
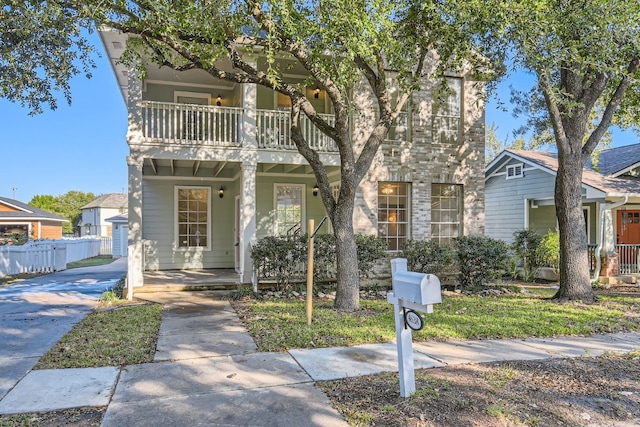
{"type": "Point", "coordinates": [586, 391]}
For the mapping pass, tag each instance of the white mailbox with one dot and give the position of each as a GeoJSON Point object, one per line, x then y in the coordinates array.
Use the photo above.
{"type": "Point", "coordinates": [419, 288]}
{"type": "Point", "coordinates": [411, 292]}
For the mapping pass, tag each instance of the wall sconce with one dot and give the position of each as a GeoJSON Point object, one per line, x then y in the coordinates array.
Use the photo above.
{"type": "Point", "coordinates": [316, 92]}
{"type": "Point", "coordinates": [221, 192]}
{"type": "Point", "coordinates": [219, 100]}
{"type": "Point", "coordinates": [315, 190]}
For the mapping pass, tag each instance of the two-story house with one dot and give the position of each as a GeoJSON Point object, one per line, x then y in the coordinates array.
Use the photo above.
{"type": "Point", "coordinates": [96, 213]}
{"type": "Point", "coordinates": [212, 167]}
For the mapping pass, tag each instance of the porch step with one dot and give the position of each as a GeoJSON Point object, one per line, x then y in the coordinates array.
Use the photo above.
{"type": "Point", "coordinates": [181, 287]}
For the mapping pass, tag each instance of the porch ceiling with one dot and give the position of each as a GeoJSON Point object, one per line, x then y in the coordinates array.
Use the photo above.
{"type": "Point", "coordinates": [221, 169]}
{"type": "Point", "coordinates": [190, 168]}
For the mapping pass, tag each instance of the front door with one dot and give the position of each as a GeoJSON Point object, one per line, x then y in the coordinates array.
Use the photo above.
{"type": "Point", "coordinates": [628, 229]}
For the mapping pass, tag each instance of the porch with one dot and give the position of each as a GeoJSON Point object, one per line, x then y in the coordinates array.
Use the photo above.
{"type": "Point", "coordinates": [217, 126]}
{"type": "Point", "coordinates": [625, 261]}
{"type": "Point", "coordinates": [189, 280]}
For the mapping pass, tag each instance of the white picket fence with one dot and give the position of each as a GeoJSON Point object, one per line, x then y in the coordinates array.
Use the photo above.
{"type": "Point", "coordinates": [46, 256]}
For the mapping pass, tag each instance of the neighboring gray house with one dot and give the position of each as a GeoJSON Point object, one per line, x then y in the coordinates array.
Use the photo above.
{"type": "Point", "coordinates": [519, 191]}
{"type": "Point", "coordinates": [119, 234]}
{"type": "Point", "coordinates": [95, 214]}
{"type": "Point", "coordinates": [212, 166]}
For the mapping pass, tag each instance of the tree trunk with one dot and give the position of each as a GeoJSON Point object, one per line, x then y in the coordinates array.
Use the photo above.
{"type": "Point", "coordinates": [348, 280]}
{"type": "Point", "coordinates": [575, 282]}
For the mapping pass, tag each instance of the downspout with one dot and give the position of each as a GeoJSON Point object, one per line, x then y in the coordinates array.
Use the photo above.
{"type": "Point", "coordinates": [604, 208]}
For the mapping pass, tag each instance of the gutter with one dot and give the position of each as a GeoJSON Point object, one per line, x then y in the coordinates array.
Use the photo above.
{"type": "Point", "coordinates": [604, 208]}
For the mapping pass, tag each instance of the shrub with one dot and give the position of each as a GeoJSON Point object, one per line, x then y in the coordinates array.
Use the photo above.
{"type": "Point", "coordinates": [480, 259]}
{"type": "Point", "coordinates": [429, 256]}
{"type": "Point", "coordinates": [279, 258]}
{"type": "Point", "coordinates": [524, 245]}
{"type": "Point", "coordinates": [370, 249]}
{"type": "Point", "coordinates": [548, 251]}
{"type": "Point", "coordinates": [284, 259]}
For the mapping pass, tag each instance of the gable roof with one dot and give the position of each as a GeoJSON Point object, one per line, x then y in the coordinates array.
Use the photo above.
{"type": "Point", "coordinates": [123, 218]}
{"type": "Point", "coordinates": [113, 200]}
{"type": "Point", "coordinates": [548, 162]}
{"type": "Point", "coordinates": [26, 212]}
{"type": "Point", "coordinates": [617, 161]}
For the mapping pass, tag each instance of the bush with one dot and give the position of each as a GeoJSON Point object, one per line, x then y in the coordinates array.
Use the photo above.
{"type": "Point", "coordinates": [548, 251]}
{"type": "Point", "coordinates": [279, 258]}
{"type": "Point", "coordinates": [370, 249]}
{"type": "Point", "coordinates": [429, 256]}
{"type": "Point", "coordinates": [284, 259]}
{"type": "Point", "coordinates": [480, 259]}
{"type": "Point", "coordinates": [524, 246]}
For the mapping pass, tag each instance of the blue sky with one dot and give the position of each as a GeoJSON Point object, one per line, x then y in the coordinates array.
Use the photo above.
{"type": "Point", "coordinates": [82, 147]}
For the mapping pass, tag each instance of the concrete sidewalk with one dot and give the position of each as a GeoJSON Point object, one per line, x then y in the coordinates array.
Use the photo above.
{"type": "Point", "coordinates": [207, 372]}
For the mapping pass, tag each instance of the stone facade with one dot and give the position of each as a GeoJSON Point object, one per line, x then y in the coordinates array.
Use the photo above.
{"type": "Point", "coordinates": [421, 161]}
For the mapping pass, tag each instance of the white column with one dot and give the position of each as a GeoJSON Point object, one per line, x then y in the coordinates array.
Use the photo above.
{"type": "Point", "coordinates": [135, 130]}
{"type": "Point", "coordinates": [135, 245]}
{"type": "Point", "coordinates": [135, 136]}
{"type": "Point", "coordinates": [247, 219]}
{"type": "Point", "coordinates": [249, 105]}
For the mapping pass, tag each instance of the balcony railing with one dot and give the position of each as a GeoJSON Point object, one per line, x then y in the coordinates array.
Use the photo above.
{"type": "Point", "coordinates": [189, 123]}
{"type": "Point", "coordinates": [166, 122]}
{"type": "Point", "coordinates": [274, 131]}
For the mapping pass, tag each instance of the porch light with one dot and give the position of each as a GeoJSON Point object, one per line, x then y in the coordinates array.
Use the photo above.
{"type": "Point", "coordinates": [219, 103]}
{"type": "Point", "coordinates": [316, 92]}
{"type": "Point", "coordinates": [315, 190]}
{"type": "Point", "coordinates": [221, 192]}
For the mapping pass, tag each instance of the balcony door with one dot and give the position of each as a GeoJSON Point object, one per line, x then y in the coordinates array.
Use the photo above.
{"type": "Point", "coordinates": [192, 119]}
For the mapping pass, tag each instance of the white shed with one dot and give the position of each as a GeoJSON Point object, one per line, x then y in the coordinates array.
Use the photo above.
{"type": "Point", "coordinates": [120, 234]}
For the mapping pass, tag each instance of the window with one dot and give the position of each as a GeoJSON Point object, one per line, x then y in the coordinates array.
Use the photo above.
{"type": "Point", "coordinates": [515, 171]}
{"type": "Point", "coordinates": [288, 208]}
{"type": "Point", "coordinates": [193, 225]}
{"type": "Point", "coordinates": [14, 233]}
{"type": "Point", "coordinates": [446, 212]}
{"type": "Point", "coordinates": [447, 112]}
{"type": "Point", "coordinates": [393, 213]}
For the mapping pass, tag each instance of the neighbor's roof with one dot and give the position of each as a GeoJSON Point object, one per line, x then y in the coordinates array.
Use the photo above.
{"type": "Point", "coordinates": [113, 200]}
{"type": "Point", "coordinates": [123, 217]}
{"type": "Point", "coordinates": [617, 161]}
{"type": "Point", "coordinates": [613, 186]}
{"type": "Point", "coordinates": [26, 212]}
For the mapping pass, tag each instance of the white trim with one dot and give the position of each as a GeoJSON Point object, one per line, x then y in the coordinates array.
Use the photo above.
{"type": "Point", "coordinates": [176, 237]}
{"type": "Point", "coordinates": [16, 207]}
{"type": "Point", "coordinates": [29, 227]}
{"type": "Point", "coordinates": [517, 171]}
{"type": "Point", "coordinates": [183, 84]}
{"type": "Point", "coordinates": [303, 191]}
{"type": "Point", "coordinates": [186, 94]}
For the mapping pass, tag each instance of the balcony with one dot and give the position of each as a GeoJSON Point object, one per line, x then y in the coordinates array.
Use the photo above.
{"type": "Point", "coordinates": [214, 126]}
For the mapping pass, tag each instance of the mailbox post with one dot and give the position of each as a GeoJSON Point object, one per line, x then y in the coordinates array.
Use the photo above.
{"type": "Point", "coordinates": [411, 293]}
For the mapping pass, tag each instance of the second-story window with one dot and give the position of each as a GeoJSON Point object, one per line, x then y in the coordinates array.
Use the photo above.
{"type": "Point", "coordinates": [447, 112]}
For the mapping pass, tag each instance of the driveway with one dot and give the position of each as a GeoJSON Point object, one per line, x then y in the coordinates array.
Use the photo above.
{"type": "Point", "coordinates": [36, 313]}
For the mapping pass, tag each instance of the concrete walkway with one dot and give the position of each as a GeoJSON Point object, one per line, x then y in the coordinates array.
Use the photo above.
{"type": "Point", "coordinates": [207, 372]}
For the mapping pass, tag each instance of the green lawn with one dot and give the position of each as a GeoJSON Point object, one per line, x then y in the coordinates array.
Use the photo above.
{"type": "Point", "coordinates": [277, 325]}
{"type": "Point", "coordinates": [91, 262]}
